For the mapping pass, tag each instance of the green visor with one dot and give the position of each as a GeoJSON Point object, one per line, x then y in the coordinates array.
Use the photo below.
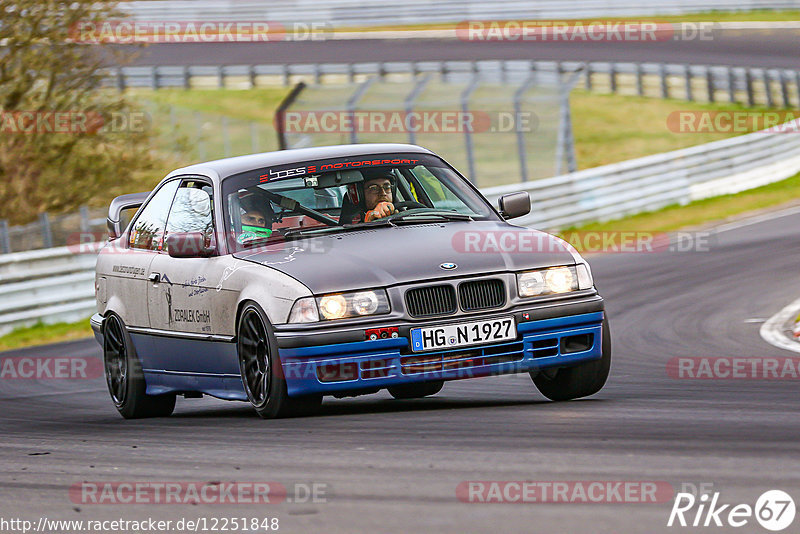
{"type": "Point", "coordinates": [250, 233]}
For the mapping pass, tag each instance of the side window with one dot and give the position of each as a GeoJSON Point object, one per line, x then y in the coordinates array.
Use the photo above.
{"type": "Point", "coordinates": [191, 211]}
{"type": "Point", "coordinates": [148, 230]}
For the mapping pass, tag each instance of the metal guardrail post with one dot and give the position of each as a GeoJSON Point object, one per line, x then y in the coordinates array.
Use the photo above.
{"type": "Point", "coordinates": [154, 77]}
{"type": "Point", "coordinates": [352, 102]}
{"type": "Point", "coordinates": [251, 74]}
{"type": "Point", "coordinates": [523, 159]}
{"type": "Point", "coordinates": [285, 74]}
{"type": "Point", "coordinates": [408, 105]}
{"type": "Point", "coordinates": [612, 73]}
{"type": "Point", "coordinates": [468, 145]}
{"type": "Point", "coordinates": [85, 224]}
{"type": "Point", "coordinates": [588, 77]}
{"type": "Point", "coordinates": [120, 79]}
{"type": "Point", "coordinates": [5, 241]}
{"type": "Point", "coordinates": [710, 84]}
{"type": "Point", "coordinates": [731, 86]}
{"type": "Point", "coordinates": [748, 82]}
{"type": "Point", "coordinates": [220, 77]}
{"type": "Point", "coordinates": [688, 80]}
{"type": "Point", "coordinates": [662, 72]}
{"type": "Point", "coordinates": [187, 78]}
{"type": "Point", "coordinates": [767, 88]}
{"type": "Point", "coordinates": [784, 89]}
{"type": "Point", "coordinates": [47, 234]}
{"type": "Point", "coordinates": [639, 80]}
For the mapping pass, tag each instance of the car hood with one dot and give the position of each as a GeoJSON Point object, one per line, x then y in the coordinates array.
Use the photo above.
{"type": "Point", "coordinates": [387, 256]}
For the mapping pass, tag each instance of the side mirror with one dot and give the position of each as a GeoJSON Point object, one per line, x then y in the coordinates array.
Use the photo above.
{"type": "Point", "coordinates": [514, 205]}
{"type": "Point", "coordinates": [121, 211]}
{"type": "Point", "coordinates": [189, 245]}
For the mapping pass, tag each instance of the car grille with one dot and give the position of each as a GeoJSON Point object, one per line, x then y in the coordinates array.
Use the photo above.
{"type": "Point", "coordinates": [482, 295]}
{"type": "Point", "coordinates": [431, 301]}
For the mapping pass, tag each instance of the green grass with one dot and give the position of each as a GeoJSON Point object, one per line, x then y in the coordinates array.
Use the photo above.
{"type": "Point", "coordinates": [245, 104]}
{"type": "Point", "coordinates": [610, 128]}
{"type": "Point", "coordinates": [42, 334]}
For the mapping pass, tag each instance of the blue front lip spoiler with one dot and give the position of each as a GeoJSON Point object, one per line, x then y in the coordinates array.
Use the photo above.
{"type": "Point", "coordinates": [380, 364]}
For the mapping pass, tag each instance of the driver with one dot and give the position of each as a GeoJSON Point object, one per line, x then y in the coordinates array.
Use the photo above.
{"type": "Point", "coordinates": [378, 197]}
{"type": "Point", "coordinates": [254, 226]}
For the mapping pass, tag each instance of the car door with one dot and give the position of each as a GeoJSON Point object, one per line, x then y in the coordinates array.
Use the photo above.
{"type": "Point", "coordinates": [185, 303]}
{"type": "Point", "coordinates": [129, 269]}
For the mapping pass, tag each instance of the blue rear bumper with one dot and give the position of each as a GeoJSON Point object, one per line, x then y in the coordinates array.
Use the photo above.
{"type": "Point", "coordinates": [346, 367]}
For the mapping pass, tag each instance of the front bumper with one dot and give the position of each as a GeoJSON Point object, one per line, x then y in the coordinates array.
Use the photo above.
{"type": "Point", "coordinates": [366, 365]}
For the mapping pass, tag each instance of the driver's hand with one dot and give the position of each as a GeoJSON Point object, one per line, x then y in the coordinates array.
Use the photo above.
{"type": "Point", "coordinates": [383, 209]}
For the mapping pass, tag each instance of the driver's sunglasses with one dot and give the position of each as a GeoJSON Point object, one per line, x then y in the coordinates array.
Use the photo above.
{"type": "Point", "coordinates": [376, 189]}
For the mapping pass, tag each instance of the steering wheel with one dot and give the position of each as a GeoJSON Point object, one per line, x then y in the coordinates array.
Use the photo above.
{"type": "Point", "coordinates": [408, 204]}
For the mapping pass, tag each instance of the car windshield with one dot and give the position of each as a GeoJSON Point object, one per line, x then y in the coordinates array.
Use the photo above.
{"type": "Point", "coordinates": [346, 194]}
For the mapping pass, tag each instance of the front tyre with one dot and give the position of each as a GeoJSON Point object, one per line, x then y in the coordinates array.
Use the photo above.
{"type": "Point", "coordinates": [580, 380]}
{"type": "Point", "coordinates": [260, 368]}
{"type": "Point", "coordinates": [124, 375]}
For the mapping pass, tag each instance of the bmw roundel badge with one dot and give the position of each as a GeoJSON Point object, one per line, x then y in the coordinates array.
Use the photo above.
{"type": "Point", "coordinates": [448, 266]}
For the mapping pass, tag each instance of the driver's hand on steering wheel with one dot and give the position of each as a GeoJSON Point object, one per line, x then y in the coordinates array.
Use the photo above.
{"type": "Point", "coordinates": [383, 209]}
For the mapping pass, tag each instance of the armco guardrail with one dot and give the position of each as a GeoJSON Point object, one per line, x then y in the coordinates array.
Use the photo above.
{"type": "Point", "coordinates": [48, 285]}
{"type": "Point", "coordinates": [57, 284]}
{"type": "Point", "coordinates": [652, 182]}
{"type": "Point", "coordinates": [715, 83]}
{"type": "Point", "coordinates": [343, 13]}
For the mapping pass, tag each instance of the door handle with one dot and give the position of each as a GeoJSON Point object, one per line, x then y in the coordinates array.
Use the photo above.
{"type": "Point", "coordinates": [154, 277]}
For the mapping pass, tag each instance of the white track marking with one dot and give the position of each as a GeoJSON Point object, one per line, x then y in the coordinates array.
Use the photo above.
{"type": "Point", "coordinates": [772, 330]}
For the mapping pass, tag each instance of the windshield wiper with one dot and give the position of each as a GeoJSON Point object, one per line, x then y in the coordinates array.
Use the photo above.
{"type": "Point", "coordinates": [336, 229]}
{"type": "Point", "coordinates": [442, 214]}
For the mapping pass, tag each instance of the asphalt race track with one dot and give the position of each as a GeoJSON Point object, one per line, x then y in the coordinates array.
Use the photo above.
{"type": "Point", "coordinates": [394, 466]}
{"type": "Point", "coordinates": [751, 48]}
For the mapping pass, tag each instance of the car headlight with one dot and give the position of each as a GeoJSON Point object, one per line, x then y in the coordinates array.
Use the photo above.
{"type": "Point", "coordinates": [340, 306]}
{"type": "Point", "coordinates": [553, 281]}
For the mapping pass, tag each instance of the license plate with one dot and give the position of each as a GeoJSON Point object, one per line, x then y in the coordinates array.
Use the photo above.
{"type": "Point", "coordinates": [463, 334]}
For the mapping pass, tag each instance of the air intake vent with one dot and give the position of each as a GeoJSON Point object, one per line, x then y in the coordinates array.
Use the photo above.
{"type": "Point", "coordinates": [431, 301]}
{"type": "Point", "coordinates": [482, 295]}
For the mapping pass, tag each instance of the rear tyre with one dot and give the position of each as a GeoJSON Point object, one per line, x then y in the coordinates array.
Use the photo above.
{"type": "Point", "coordinates": [262, 375]}
{"type": "Point", "coordinates": [580, 380]}
{"type": "Point", "coordinates": [124, 376]}
{"type": "Point", "coordinates": [416, 391]}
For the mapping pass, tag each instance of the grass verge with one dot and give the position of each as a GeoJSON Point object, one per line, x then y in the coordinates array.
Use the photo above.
{"type": "Point", "coordinates": [43, 334]}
